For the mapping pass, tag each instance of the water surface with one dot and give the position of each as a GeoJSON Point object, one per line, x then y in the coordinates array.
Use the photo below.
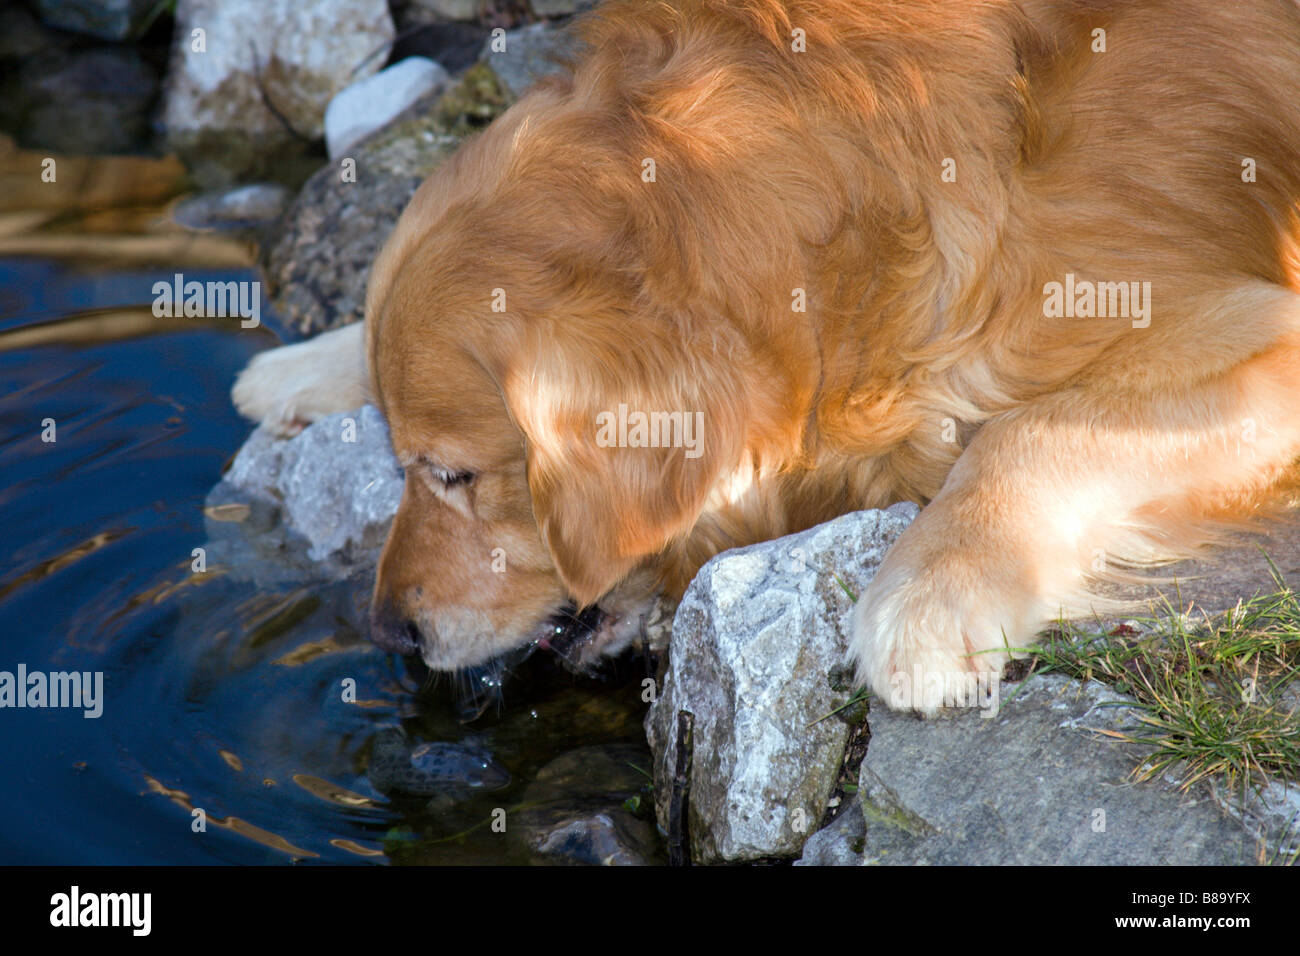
{"type": "Point", "coordinates": [218, 694]}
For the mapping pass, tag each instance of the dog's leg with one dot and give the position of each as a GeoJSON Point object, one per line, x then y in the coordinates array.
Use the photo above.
{"type": "Point", "coordinates": [1046, 496]}
{"type": "Point", "coordinates": [290, 387]}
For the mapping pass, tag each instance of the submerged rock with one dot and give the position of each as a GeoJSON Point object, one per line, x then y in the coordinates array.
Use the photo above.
{"type": "Point", "coordinates": [754, 642]}
{"type": "Point", "coordinates": [595, 838]}
{"type": "Point", "coordinates": [577, 810]}
{"type": "Point", "coordinates": [1042, 782]}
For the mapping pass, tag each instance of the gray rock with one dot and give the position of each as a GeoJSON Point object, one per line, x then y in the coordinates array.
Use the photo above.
{"type": "Point", "coordinates": [559, 8]}
{"type": "Point", "coordinates": [21, 36]}
{"type": "Point", "coordinates": [1039, 783]}
{"type": "Point", "coordinates": [455, 45]}
{"type": "Point", "coordinates": [106, 19]}
{"type": "Point", "coordinates": [840, 843]}
{"type": "Point", "coordinates": [316, 266]}
{"type": "Point", "coordinates": [336, 495]}
{"type": "Point", "coordinates": [448, 9]}
{"type": "Point", "coordinates": [754, 641]}
{"type": "Point", "coordinates": [293, 56]}
{"type": "Point", "coordinates": [372, 103]}
{"type": "Point", "coordinates": [245, 207]}
{"type": "Point", "coordinates": [1216, 581]}
{"type": "Point", "coordinates": [522, 57]}
{"type": "Point", "coordinates": [80, 101]}
{"type": "Point", "coordinates": [1271, 816]}
{"type": "Point", "coordinates": [248, 542]}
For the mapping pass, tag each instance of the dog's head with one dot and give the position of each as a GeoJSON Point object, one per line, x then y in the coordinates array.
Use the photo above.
{"type": "Point", "coordinates": [560, 421]}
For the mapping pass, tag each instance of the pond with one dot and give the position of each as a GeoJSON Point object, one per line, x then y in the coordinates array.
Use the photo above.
{"type": "Point", "coordinates": [222, 701]}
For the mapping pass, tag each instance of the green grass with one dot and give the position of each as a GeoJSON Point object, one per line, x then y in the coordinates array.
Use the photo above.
{"type": "Point", "coordinates": [1209, 694]}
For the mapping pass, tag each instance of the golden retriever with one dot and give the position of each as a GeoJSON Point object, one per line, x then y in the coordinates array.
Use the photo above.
{"type": "Point", "coordinates": [1032, 263]}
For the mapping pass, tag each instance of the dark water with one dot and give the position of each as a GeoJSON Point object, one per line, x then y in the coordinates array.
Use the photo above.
{"type": "Point", "coordinates": [217, 695]}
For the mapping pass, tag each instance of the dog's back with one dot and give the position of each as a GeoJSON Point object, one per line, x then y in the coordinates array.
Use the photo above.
{"type": "Point", "coordinates": [1031, 263]}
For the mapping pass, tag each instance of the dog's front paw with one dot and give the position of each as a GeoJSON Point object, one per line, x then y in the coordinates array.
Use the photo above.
{"type": "Point", "coordinates": [921, 641]}
{"type": "Point", "coordinates": [264, 393]}
{"type": "Point", "coordinates": [288, 388]}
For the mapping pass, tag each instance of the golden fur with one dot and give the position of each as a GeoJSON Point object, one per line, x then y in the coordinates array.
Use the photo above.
{"type": "Point", "coordinates": [1048, 451]}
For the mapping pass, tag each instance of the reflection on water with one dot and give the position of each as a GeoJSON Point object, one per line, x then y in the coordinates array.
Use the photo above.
{"type": "Point", "coordinates": [223, 700]}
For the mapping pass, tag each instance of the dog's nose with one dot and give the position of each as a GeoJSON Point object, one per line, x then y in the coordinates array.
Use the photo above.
{"type": "Point", "coordinates": [393, 632]}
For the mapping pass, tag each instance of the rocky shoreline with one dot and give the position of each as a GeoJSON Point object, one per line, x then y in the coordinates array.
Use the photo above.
{"type": "Point", "coordinates": [308, 127]}
{"type": "Point", "coordinates": [1035, 774]}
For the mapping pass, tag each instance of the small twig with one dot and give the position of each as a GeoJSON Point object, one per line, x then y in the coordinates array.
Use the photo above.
{"type": "Point", "coordinates": [679, 849]}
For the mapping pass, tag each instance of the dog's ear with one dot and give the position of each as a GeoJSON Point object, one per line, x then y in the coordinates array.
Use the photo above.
{"type": "Point", "coordinates": [626, 438]}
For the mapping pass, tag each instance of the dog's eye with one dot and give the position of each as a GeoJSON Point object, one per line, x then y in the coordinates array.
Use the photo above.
{"type": "Point", "coordinates": [451, 479]}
